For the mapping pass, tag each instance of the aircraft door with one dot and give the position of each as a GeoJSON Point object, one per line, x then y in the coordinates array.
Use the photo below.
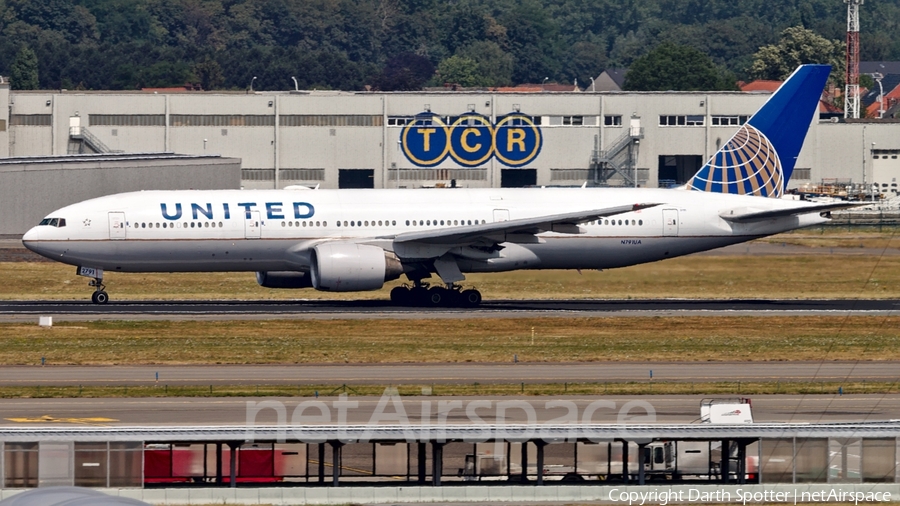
{"type": "Point", "coordinates": [501, 215]}
{"type": "Point", "coordinates": [252, 226]}
{"type": "Point", "coordinates": [670, 222]}
{"type": "Point", "coordinates": [117, 226]}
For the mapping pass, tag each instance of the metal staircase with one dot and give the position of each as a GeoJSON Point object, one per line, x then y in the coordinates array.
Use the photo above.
{"type": "Point", "coordinates": [80, 138]}
{"type": "Point", "coordinates": [619, 159]}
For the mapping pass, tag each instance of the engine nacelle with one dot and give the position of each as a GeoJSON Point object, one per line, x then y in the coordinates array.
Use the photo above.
{"type": "Point", "coordinates": [284, 279]}
{"type": "Point", "coordinates": [351, 267]}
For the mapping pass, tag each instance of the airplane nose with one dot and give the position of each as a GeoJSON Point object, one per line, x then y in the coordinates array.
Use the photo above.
{"type": "Point", "coordinates": [32, 235]}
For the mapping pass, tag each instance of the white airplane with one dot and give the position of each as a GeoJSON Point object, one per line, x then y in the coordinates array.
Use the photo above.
{"type": "Point", "coordinates": [353, 240]}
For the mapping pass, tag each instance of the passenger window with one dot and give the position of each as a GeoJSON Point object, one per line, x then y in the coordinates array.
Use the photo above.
{"type": "Point", "coordinates": [393, 222]}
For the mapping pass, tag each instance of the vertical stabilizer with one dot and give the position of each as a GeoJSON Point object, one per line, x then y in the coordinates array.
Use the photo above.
{"type": "Point", "coordinates": [760, 157]}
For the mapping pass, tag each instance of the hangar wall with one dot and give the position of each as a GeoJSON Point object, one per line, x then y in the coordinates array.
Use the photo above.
{"type": "Point", "coordinates": [30, 188]}
{"type": "Point", "coordinates": [334, 139]}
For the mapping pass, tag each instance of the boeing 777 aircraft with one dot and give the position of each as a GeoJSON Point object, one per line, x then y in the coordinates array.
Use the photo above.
{"type": "Point", "coordinates": [352, 240]}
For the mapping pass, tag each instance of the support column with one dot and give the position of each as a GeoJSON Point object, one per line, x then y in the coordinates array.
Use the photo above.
{"type": "Point", "coordinates": [625, 462]}
{"type": "Point", "coordinates": [335, 462]}
{"type": "Point", "coordinates": [641, 462]}
{"type": "Point", "coordinates": [540, 462]}
{"type": "Point", "coordinates": [742, 463]}
{"type": "Point", "coordinates": [437, 463]}
{"type": "Point", "coordinates": [723, 467]}
{"type": "Point", "coordinates": [421, 460]}
{"type": "Point", "coordinates": [524, 477]}
{"type": "Point", "coordinates": [234, 449]}
{"type": "Point", "coordinates": [218, 463]}
{"type": "Point", "coordinates": [321, 463]}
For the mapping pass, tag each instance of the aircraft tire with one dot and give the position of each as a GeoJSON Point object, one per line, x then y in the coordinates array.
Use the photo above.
{"type": "Point", "coordinates": [400, 295]}
{"type": "Point", "coordinates": [100, 297]}
{"type": "Point", "coordinates": [437, 297]}
{"type": "Point", "coordinates": [470, 298]}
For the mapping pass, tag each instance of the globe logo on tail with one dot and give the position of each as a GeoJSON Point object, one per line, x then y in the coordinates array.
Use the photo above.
{"type": "Point", "coordinates": [746, 165]}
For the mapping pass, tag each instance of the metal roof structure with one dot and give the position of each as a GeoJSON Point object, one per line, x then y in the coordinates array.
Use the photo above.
{"type": "Point", "coordinates": [447, 433]}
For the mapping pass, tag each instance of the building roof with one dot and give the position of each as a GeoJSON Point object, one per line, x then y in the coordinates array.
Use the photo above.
{"type": "Point", "coordinates": [883, 67]}
{"type": "Point", "coordinates": [530, 87]}
{"type": "Point", "coordinates": [610, 80]}
{"type": "Point", "coordinates": [760, 85]}
{"type": "Point", "coordinates": [891, 85]}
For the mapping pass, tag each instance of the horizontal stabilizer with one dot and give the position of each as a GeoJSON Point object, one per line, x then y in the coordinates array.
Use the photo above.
{"type": "Point", "coordinates": [554, 222]}
{"type": "Point", "coordinates": [747, 215]}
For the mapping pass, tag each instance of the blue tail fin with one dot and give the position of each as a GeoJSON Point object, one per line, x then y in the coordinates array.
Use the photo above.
{"type": "Point", "coordinates": [760, 157]}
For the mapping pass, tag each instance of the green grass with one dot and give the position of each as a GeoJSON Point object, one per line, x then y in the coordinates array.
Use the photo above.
{"type": "Point", "coordinates": [471, 389]}
{"type": "Point", "coordinates": [702, 276]}
{"type": "Point", "coordinates": [691, 339]}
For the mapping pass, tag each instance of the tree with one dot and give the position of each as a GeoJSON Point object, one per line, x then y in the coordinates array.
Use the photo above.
{"type": "Point", "coordinates": [494, 64]}
{"type": "Point", "coordinates": [23, 74]}
{"type": "Point", "coordinates": [209, 73]}
{"type": "Point", "coordinates": [673, 67]}
{"type": "Point", "coordinates": [796, 47]}
{"type": "Point", "coordinates": [404, 72]}
{"type": "Point", "coordinates": [462, 71]}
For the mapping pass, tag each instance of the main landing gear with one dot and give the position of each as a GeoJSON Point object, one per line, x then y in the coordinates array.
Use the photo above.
{"type": "Point", "coordinates": [99, 296]}
{"type": "Point", "coordinates": [435, 296]}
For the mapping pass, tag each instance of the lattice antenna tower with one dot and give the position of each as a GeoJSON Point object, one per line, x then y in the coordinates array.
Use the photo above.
{"type": "Point", "coordinates": [851, 95]}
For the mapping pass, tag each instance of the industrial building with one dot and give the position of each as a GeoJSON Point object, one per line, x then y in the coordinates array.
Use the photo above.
{"type": "Point", "coordinates": [336, 139]}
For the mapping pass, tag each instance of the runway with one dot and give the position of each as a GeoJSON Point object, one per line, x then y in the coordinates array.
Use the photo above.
{"type": "Point", "coordinates": [439, 373]}
{"type": "Point", "coordinates": [23, 311]}
{"type": "Point", "coordinates": [451, 410]}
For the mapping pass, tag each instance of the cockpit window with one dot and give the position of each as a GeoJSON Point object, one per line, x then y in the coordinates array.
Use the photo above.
{"type": "Point", "coordinates": [53, 222]}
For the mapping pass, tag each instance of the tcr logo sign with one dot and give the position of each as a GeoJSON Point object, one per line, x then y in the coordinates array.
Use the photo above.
{"type": "Point", "coordinates": [471, 140]}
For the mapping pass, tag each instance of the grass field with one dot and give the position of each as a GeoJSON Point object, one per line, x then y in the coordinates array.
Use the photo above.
{"type": "Point", "coordinates": [734, 276]}
{"type": "Point", "coordinates": [699, 276]}
{"type": "Point", "coordinates": [471, 389]}
{"type": "Point", "coordinates": [692, 339]}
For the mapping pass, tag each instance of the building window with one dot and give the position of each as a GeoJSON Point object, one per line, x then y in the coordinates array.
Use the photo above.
{"type": "Point", "coordinates": [399, 120]}
{"type": "Point", "coordinates": [30, 120]}
{"type": "Point", "coordinates": [330, 120]}
{"type": "Point", "coordinates": [573, 120]}
{"type": "Point", "coordinates": [692, 120]}
{"type": "Point", "coordinates": [729, 120]}
{"type": "Point", "coordinates": [801, 173]}
{"type": "Point", "coordinates": [126, 120]}
{"type": "Point", "coordinates": [568, 174]}
{"type": "Point", "coordinates": [612, 120]}
{"type": "Point", "coordinates": [437, 174]}
{"type": "Point", "coordinates": [302, 174]}
{"type": "Point", "coordinates": [220, 120]}
{"type": "Point", "coordinates": [258, 174]}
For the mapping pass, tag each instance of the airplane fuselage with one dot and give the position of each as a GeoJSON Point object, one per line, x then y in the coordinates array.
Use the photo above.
{"type": "Point", "coordinates": [274, 230]}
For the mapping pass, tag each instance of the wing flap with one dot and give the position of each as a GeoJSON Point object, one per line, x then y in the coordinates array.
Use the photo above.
{"type": "Point", "coordinates": [563, 223]}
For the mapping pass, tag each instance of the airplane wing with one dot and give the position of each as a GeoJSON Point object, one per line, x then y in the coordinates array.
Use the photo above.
{"type": "Point", "coordinates": [751, 215]}
{"type": "Point", "coordinates": [565, 223]}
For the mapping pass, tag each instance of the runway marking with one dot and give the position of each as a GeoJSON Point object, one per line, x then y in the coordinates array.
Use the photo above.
{"type": "Point", "coordinates": [51, 419]}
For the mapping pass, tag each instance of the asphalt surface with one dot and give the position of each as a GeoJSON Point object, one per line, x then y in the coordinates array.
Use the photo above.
{"type": "Point", "coordinates": [394, 374]}
{"type": "Point", "coordinates": [29, 311]}
{"type": "Point", "coordinates": [455, 410]}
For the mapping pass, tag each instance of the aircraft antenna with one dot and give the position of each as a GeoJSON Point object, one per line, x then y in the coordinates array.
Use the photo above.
{"type": "Point", "coordinates": [851, 95]}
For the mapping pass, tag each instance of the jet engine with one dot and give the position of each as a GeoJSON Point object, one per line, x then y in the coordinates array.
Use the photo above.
{"type": "Point", "coordinates": [284, 279]}
{"type": "Point", "coordinates": [351, 267]}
